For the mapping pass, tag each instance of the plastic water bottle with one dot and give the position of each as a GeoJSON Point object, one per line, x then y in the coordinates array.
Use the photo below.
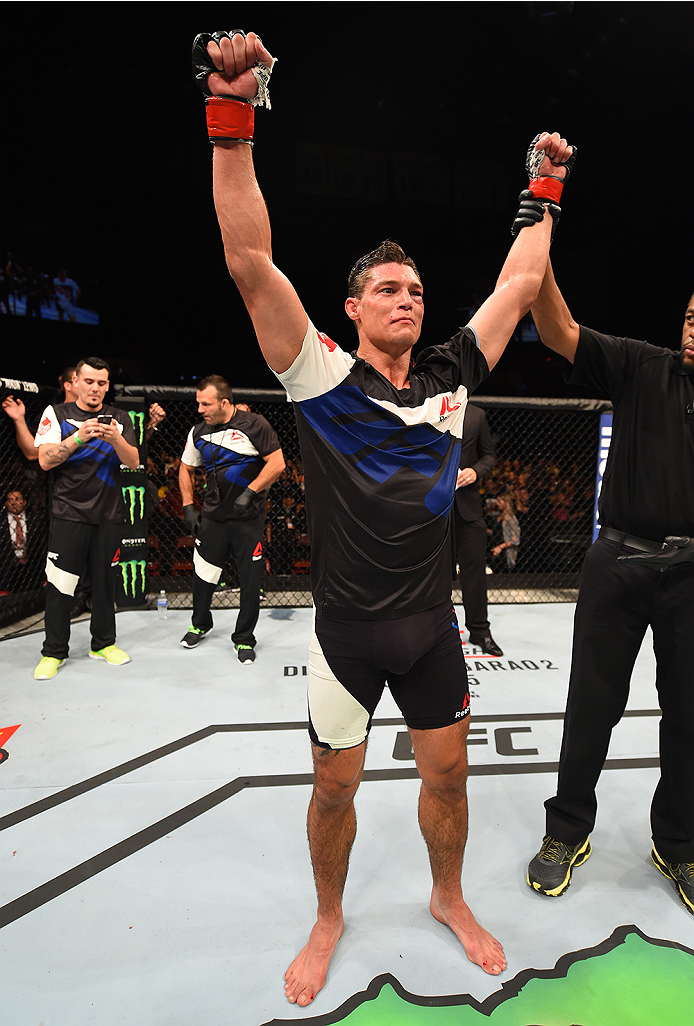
{"type": "Point", "coordinates": [162, 605]}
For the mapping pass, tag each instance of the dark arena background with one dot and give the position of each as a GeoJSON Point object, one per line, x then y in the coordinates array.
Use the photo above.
{"type": "Point", "coordinates": [142, 805]}
{"type": "Point", "coordinates": [379, 128]}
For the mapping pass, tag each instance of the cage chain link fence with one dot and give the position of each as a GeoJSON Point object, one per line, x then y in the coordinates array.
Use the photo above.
{"type": "Point", "coordinates": [544, 476]}
{"type": "Point", "coordinates": [24, 514]}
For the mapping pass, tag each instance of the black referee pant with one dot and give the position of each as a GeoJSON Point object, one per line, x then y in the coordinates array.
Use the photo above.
{"type": "Point", "coordinates": [72, 547]}
{"type": "Point", "coordinates": [216, 541]}
{"type": "Point", "coordinates": [616, 603]}
{"type": "Point", "coordinates": [471, 556]}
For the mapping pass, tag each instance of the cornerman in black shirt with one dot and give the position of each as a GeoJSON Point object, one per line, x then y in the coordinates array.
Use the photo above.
{"type": "Point", "coordinates": [241, 457]}
{"type": "Point", "coordinates": [630, 580]}
{"type": "Point", "coordinates": [83, 444]}
{"type": "Point", "coordinates": [380, 443]}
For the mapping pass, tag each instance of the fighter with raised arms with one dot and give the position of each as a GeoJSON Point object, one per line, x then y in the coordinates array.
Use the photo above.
{"type": "Point", "coordinates": [380, 443]}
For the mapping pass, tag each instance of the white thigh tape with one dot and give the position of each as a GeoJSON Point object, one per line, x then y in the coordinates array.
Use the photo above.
{"type": "Point", "coordinates": [338, 718]}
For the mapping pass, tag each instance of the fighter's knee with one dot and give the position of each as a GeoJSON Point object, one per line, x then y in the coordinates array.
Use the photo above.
{"type": "Point", "coordinates": [337, 775]}
{"type": "Point", "coordinates": [447, 780]}
{"type": "Point", "coordinates": [335, 795]}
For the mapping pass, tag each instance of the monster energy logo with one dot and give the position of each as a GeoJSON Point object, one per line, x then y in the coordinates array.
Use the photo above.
{"type": "Point", "coordinates": [132, 572]}
{"type": "Point", "coordinates": [132, 496]}
{"type": "Point", "coordinates": [138, 419]}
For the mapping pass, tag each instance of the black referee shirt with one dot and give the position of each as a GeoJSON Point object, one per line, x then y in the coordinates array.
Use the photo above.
{"type": "Point", "coordinates": [648, 485]}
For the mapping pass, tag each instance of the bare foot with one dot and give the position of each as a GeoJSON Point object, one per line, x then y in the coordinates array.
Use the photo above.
{"type": "Point", "coordinates": [306, 975]}
{"type": "Point", "coordinates": [480, 947]}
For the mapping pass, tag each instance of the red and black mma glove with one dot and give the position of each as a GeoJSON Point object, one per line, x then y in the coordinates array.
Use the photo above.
{"type": "Point", "coordinates": [229, 118]}
{"type": "Point", "coordinates": [543, 191]}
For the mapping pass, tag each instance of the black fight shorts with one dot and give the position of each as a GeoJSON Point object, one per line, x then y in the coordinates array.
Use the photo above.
{"type": "Point", "coordinates": [420, 657]}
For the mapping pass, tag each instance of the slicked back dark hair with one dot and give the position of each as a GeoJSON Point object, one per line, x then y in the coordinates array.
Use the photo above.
{"type": "Point", "coordinates": [219, 383]}
{"type": "Point", "coordinates": [388, 252]}
{"type": "Point", "coordinates": [93, 361]}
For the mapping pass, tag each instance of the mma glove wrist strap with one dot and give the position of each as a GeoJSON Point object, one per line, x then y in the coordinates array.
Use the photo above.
{"type": "Point", "coordinates": [229, 119]}
{"type": "Point", "coordinates": [547, 188]}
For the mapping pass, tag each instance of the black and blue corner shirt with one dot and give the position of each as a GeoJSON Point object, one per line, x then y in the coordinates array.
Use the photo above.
{"type": "Point", "coordinates": [87, 486]}
{"type": "Point", "coordinates": [231, 455]}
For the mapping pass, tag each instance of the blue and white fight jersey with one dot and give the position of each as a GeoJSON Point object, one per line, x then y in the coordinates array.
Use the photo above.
{"type": "Point", "coordinates": [380, 466]}
{"type": "Point", "coordinates": [87, 486]}
{"type": "Point", "coordinates": [231, 455]}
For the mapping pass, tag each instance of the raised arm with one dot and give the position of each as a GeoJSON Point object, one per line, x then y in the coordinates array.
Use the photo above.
{"type": "Point", "coordinates": [16, 411]}
{"type": "Point", "coordinates": [553, 320]}
{"type": "Point", "coordinates": [519, 283]}
{"type": "Point", "coordinates": [238, 71]}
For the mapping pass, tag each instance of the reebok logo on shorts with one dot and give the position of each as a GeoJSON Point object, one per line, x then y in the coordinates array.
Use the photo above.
{"type": "Point", "coordinates": [465, 711]}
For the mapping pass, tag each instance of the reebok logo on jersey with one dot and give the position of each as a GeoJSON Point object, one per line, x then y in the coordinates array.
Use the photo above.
{"type": "Point", "coordinates": [258, 552]}
{"type": "Point", "coordinates": [327, 341]}
{"type": "Point", "coordinates": [446, 407]}
{"type": "Point", "coordinates": [44, 426]}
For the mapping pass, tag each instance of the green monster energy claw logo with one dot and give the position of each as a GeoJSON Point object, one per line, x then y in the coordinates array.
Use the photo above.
{"type": "Point", "coordinates": [132, 572]}
{"type": "Point", "coordinates": [133, 496]}
{"type": "Point", "coordinates": [138, 419]}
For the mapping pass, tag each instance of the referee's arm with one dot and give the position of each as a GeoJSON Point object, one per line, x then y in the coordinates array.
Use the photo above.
{"type": "Point", "coordinates": [556, 327]}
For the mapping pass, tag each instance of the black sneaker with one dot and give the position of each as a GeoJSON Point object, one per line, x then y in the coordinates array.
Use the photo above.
{"type": "Point", "coordinates": [683, 875]}
{"type": "Point", "coordinates": [245, 653]}
{"type": "Point", "coordinates": [550, 871]}
{"type": "Point", "coordinates": [194, 637]}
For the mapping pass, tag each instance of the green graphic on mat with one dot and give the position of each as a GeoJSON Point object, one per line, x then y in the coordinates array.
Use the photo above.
{"type": "Point", "coordinates": [628, 980]}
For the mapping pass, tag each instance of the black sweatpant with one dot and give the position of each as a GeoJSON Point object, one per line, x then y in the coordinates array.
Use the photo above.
{"type": "Point", "coordinates": [72, 547]}
{"type": "Point", "coordinates": [616, 603]}
{"type": "Point", "coordinates": [216, 541]}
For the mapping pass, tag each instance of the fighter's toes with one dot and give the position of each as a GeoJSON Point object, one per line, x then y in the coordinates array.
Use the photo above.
{"type": "Point", "coordinates": [298, 990]}
{"type": "Point", "coordinates": [493, 967]}
{"type": "Point", "coordinates": [298, 993]}
{"type": "Point", "coordinates": [493, 961]}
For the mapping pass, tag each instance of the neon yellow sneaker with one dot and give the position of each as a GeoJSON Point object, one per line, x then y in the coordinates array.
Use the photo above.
{"type": "Point", "coordinates": [683, 875]}
{"type": "Point", "coordinates": [47, 668]}
{"type": "Point", "coordinates": [550, 871]}
{"type": "Point", "coordinates": [111, 654]}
